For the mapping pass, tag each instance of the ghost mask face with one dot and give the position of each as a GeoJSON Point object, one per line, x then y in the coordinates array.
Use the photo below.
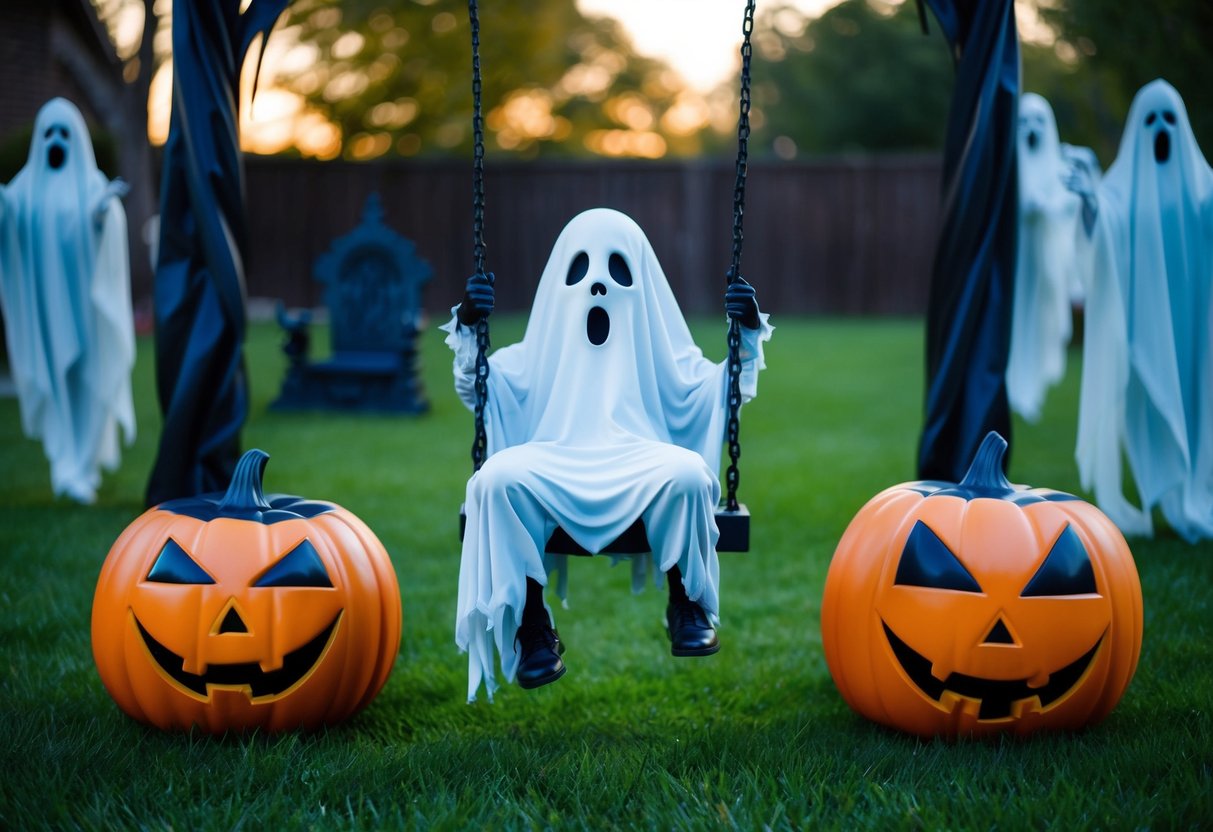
{"type": "Point", "coordinates": [600, 279]}
{"type": "Point", "coordinates": [1037, 129]}
{"type": "Point", "coordinates": [1160, 120]}
{"type": "Point", "coordinates": [61, 142]}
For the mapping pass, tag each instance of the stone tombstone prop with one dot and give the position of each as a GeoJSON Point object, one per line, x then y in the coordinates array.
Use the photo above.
{"type": "Point", "coordinates": [203, 250]}
{"type": "Point", "coordinates": [65, 294]}
{"type": "Point", "coordinates": [373, 280]}
{"type": "Point", "coordinates": [972, 279]}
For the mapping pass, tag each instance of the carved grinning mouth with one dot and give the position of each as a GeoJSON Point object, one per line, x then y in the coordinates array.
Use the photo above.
{"type": "Point", "coordinates": [996, 696]}
{"type": "Point", "coordinates": [258, 684]}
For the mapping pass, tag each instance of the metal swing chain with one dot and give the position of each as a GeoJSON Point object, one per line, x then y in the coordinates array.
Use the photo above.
{"type": "Point", "coordinates": [732, 474]}
{"type": "Point", "coordinates": [480, 443]}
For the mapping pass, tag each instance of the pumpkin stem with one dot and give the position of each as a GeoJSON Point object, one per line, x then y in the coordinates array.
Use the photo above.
{"type": "Point", "coordinates": [244, 494]}
{"type": "Point", "coordinates": [985, 473]}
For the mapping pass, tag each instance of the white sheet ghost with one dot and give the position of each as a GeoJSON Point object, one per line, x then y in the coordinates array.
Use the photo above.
{"type": "Point", "coordinates": [65, 291]}
{"type": "Point", "coordinates": [1046, 277]}
{"type": "Point", "coordinates": [606, 411]}
{"type": "Point", "coordinates": [1147, 382]}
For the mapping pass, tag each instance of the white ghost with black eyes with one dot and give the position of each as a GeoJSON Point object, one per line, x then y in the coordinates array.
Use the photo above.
{"type": "Point", "coordinates": [65, 291]}
{"type": "Point", "coordinates": [1147, 384]}
{"type": "Point", "coordinates": [1045, 273]}
{"type": "Point", "coordinates": [605, 412]}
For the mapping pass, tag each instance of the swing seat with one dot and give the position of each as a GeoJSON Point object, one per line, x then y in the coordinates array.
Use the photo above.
{"type": "Point", "coordinates": [734, 535]}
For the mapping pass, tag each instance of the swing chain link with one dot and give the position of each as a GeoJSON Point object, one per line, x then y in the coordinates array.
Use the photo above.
{"type": "Point", "coordinates": [733, 428]}
{"type": "Point", "coordinates": [480, 443]}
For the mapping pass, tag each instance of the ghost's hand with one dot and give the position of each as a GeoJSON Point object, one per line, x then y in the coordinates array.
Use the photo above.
{"type": "Point", "coordinates": [740, 303]}
{"type": "Point", "coordinates": [1080, 179]}
{"type": "Point", "coordinates": [116, 189]}
{"type": "Point", "coordinates": [478, 299]}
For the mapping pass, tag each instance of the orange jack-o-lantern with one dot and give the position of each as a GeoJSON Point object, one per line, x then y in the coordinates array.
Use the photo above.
{"type": "Point", "coordinates": [237, 610]}
{"type": "Point", "coordinates": [981, 607]}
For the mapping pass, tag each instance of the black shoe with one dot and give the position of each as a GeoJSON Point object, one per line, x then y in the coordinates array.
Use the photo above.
{"type": "Point", "coordinates": [539, 649]}
{"type": "Point", "coordinates": [690, 631]}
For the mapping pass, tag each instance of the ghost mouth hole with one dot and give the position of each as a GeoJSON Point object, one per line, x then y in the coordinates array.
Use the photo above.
{"type": "Point", "coordinates": [1033, 140]}
{"type": "Point", "coordinates": [1162, 146]}
{"type": "Point", "coordinates": [598, 326]}
{"type": "Point", "coordinates": [56, 156]}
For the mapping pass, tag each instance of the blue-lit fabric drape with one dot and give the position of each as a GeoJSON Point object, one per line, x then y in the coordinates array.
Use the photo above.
{"type": "Point", "coordinates": [199, 290]}
{"type": "Point", "coordinates": [972, 282]}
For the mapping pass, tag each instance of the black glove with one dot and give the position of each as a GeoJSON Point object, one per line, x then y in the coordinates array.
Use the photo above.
{"type": "Point", "coordinates": [740, 304]}
{"type": "Point", "coordinates": [477, 301]}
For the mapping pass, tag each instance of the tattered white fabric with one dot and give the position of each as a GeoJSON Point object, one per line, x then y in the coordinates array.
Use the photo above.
{"type": "Point", "coordinates": [605, 412]}
{"type": "Point", "coordinates": [1148, 355]}
{"type": "Point", "coordinates": [65, 290]}
{"type": "Point", "coordinates": [1045, 272]}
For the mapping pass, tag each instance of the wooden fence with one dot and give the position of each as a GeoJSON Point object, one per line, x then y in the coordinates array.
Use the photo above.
{"type": "Point", "coordinates": [839, 236]}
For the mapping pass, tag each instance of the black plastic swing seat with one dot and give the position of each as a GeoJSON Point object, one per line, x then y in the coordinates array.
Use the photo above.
{"type": "Point", "coordinates": [734, 535]}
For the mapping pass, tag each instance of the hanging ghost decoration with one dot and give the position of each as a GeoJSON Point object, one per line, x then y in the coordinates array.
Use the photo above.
{"type": "Point", "coordinates": [1046, 278]}
{"type": "Point", "coordinates": [1147, 385]}
{"type": "Point", "coordinates": [606, 412]}
{"type": "Point", "coordinates": [65, 291]}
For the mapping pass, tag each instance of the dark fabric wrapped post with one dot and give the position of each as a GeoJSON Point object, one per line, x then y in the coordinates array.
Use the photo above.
{"type": "Point", "coordinates": [972, 281]}
{"type": "Point", "coordinates": [199, 290]}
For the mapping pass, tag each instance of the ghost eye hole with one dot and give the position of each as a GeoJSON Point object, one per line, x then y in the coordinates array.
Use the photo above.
{"type": "Point", "coordinates": [1151, 118]}
{"type": "Point", "coordinates": [175, 566]}
{"type": "Point", "coordinates": [577, 269]}
{"type": "Point", "coordinates": [619, 270]}
{"type": "Point", "coordinates": [928, 562]}
{"type": "Point", "coordinates": [300, 566]}
{"type": "Point", "coordinates": [50, 131]}
{"type": "Point", "coordinates": [64, 132]}
{"type": "Point", "coordinates": [1168, 116]}
{"type": "Point", "coordinates": [1066, 570]}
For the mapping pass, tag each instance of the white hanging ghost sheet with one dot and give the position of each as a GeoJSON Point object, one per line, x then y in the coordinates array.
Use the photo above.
{"type": "Point", "coordinates": [65, 293]}
{"type": "Point", "coordinates": [605, 412]}
{"type": "Point", "coordinates": [1046, 276]}
{"type": "Point", "coordinates": [1147, 384]}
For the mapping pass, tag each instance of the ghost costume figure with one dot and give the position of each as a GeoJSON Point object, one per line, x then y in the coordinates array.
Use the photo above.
{"type": "Point", "coordinates": [1147, 383]}
{"type": "Point", "coordinates": [1046, 277]}
{"type": "Point", "coordinates": [605, 412]}
{"type": "Point", "coordinates": [65, 290]}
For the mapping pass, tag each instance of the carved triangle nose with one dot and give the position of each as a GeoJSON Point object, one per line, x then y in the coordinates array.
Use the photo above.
{"type": "Point", "coordinates": [232, 623]}
{"type": "Point", "coordinates": [999, 634]}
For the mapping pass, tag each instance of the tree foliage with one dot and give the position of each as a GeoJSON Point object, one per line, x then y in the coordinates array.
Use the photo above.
{"type": "Point", "coordinates": [398, 78]}
{"type": "Point", "coordinates": [1112, 48]}
{"type": "Point", "coordinates": [862, 77]}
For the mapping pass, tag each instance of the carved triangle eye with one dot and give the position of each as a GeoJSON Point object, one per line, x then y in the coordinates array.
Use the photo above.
{"type": "Point", "coordinates": [175, 566]}
{"type": "Point", "coordinates": [1066, 571]}
{"type": "Point", "coordinates": [927, 561]}
{"type": "Point", "coordinates": [300, 566]}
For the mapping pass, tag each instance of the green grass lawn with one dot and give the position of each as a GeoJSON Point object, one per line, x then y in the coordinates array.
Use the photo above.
{"type": "Point", "coordinates": [754, 737]}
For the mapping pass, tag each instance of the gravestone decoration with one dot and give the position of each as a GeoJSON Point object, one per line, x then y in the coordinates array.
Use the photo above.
{"type": "Point", "coordinates": [373, 280]}
{"type": "Point", "coordinates": [1147, 379]}
{"type": "Point", "coordinates": [972, 280]}
{"type": "Point", "coordinates": [65, 293]}
{"type": "Point", "coordinates": [199, 288]}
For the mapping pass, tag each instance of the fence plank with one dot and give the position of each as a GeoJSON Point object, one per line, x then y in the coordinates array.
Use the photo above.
{"type": "Point", "coordinates": [836, 236]}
